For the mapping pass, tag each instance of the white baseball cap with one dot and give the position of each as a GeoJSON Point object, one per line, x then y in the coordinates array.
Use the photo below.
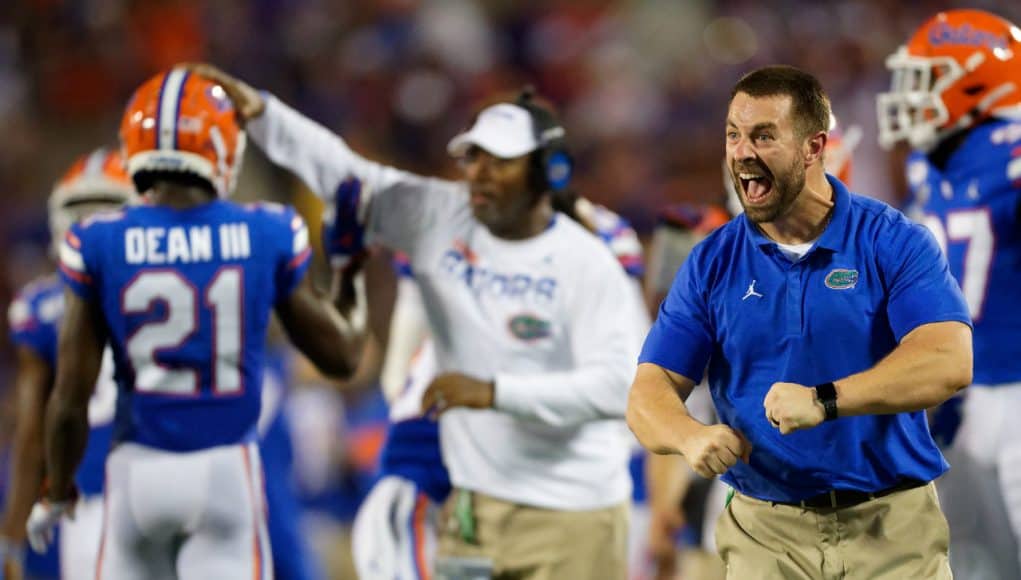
{"type": "Point", "coordinates": [504, 130]}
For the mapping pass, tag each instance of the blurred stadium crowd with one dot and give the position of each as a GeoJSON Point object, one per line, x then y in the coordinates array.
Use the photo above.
{"type": "Point", "coordinates": [641, 85]}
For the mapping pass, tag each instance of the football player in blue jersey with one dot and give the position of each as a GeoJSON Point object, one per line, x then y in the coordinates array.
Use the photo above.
{"type": "Point", "coordinates": [956, 100]}
{"type": "Point", "coordinates": [95, 182]}
{"type": "Point", "coordinates": [182, 288]}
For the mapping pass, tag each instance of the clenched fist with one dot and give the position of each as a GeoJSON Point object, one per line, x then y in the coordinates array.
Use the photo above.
{"type": "Point", "coordinates": [791, 407]}
{"type": "Point", "coordinates": [713, 449]}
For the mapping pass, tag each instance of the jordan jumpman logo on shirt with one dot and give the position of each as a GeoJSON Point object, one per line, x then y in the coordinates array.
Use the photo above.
{"type": "Point", "coordinates": [751, 291]}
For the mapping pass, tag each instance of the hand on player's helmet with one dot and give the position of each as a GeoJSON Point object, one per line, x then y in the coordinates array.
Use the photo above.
{"type": "Point", "coordinates": [456, 390]}
{"type": "Point", "coordinates": [43, 520]}
{"type": "Point", "coordinates": [248, 102]}
{"type": "Point", "coordinates": [343, 232]}
{"type": "Point", "coordinates": [714, 449]}
{"type": "Point", "coordinates": [791, 407]}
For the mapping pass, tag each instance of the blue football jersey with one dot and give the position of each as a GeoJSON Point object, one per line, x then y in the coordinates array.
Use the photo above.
{"type": "Point", "coordinates": [971, 206]}
{"type": "Point", "coordinates": [34, 319]}
{"type": "Point", "coordinates": [617, 233]}
{"type": "Point", "coordinates": [186, 296]}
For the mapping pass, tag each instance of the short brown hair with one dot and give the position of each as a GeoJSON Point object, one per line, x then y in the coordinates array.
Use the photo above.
{"type": "Point", "coordinates": [810, 107]}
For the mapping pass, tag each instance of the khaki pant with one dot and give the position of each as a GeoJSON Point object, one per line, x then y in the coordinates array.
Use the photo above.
{"type": "Point", "coordinates": [528, 543]}
{"type": "Point", "coordinates": [900, 536]}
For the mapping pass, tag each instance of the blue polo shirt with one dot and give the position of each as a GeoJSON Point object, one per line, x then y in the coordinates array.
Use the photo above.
{"type": "Point", "coordinates": [755, 318]}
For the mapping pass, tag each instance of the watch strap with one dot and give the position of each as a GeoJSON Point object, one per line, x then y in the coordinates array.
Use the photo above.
{"type": "Point", "coordinates": [826, 393]}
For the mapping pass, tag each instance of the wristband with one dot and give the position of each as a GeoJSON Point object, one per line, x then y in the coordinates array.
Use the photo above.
{"type": "Point", "coordinates": [826, 394]}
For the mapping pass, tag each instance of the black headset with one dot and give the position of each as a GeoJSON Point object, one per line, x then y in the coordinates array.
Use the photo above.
{"type": "Point", "coordinates": [551, 162]}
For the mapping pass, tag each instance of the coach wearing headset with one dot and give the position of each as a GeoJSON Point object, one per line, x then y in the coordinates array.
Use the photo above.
{"type": "Point", "coordinates": [533, 325]}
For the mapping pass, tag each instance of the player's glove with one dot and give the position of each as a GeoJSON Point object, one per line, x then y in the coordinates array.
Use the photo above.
{"type": "Point", "coordinates": [343, 232]}
{"type": "Point", "coordinates": [44, 519]}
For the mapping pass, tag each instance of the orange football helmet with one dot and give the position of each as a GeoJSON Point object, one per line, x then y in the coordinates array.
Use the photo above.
{"type": "Point", "coordinates": [960, 68]}
{"type": "Point", "coordinates": [179, 121]}
{"type": "Point", "coordinates": [840, 150]}
{"type": "Point", "coordinates": [95, 181]}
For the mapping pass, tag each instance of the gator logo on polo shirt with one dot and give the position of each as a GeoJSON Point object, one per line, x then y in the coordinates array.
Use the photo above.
{"type": "Point", "coordinates": [529, 327]}
{"type": "Point", "coordinates": [841, 279]}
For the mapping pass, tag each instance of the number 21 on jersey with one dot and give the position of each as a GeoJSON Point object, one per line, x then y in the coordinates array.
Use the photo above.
{"type": "Point", "coordinates": [180, 324]}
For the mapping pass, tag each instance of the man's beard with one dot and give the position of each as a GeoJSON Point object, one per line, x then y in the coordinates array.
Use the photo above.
{"type": "Point", "coordinates": [786, 187]}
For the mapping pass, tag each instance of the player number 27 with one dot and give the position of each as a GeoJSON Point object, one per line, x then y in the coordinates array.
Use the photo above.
{"type": "Point", "coordinates": [974, 228]}
{"type": "Point", "coordinates": [222, 297]}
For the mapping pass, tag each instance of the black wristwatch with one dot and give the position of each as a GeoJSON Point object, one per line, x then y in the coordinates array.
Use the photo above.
{"type": "Point", "coordinates": [826, 393]}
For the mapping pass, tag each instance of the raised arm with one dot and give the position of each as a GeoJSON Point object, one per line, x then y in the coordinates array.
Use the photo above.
{"type": "Point", "coordinates": [316, 326]}
{"type": "Point", "coordinates": [318, 156]}
{"type": "Point", "coordinates": [395, 207]}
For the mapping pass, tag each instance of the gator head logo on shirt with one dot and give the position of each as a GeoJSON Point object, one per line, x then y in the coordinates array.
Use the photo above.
{"type": "Point", "coordinates": [529, 327]}
{"type": "Point", "coordinates": [841, 279]}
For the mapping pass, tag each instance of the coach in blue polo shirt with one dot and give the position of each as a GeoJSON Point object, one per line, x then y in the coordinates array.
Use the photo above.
{"type": "Point", "coordinates": [827, 323]}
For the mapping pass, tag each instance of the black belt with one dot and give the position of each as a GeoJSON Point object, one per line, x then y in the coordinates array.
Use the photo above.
{"type": "Point", "coordinates": [843, 498]}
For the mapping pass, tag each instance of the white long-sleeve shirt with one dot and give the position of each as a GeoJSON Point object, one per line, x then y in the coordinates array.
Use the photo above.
{"type": "Point", "coordinates": [550, 319]}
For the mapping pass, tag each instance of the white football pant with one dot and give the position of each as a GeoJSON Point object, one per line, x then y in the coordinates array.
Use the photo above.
{"type": "Point", "coordinates": [195, 515]}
